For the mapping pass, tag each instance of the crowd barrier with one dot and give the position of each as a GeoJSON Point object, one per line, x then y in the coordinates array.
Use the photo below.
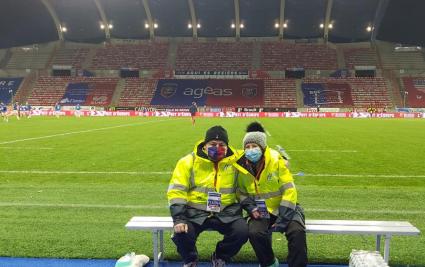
{"type": "Point", "coordinates": [359, 115]}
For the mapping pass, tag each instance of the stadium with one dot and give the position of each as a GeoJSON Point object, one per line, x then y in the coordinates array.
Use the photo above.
{"type": "Point", "coordinates": [96, 105]}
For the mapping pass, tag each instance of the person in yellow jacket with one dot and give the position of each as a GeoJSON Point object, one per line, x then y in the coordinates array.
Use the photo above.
{"type": "Point", "coordinates": [264, 178]}
{"type": "Point", "coordinates": [202, 195]}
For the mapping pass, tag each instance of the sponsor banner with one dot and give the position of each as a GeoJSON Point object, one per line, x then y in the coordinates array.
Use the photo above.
{"type": "Point", "coordinates": [210, 73]}
{"type": "Point", "coordinates": [217, 93]}
{"type": "Point", "coordinates": [76, 93]}
{"type": "Point", "coordinates": [131, 113]}
{"type": "Point", "coordinates": [9, 87]}
{"type": "Point", "coordinates": [323, 94]}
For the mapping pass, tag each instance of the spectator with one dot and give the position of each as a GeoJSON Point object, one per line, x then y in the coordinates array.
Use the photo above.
{"type": "Point", "coordinates": [202, 196]}
{"type": "Point", "coordinates": [264, 177]}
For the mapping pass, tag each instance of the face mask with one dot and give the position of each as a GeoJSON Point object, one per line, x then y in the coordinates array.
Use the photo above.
{"type": "Point", "coordinates": [216, 153]}
{"type": "Point", "coordinates": [253, 154]}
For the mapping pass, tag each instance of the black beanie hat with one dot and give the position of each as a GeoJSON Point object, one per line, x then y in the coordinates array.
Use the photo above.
{"type": "Point", "coordinates": [217, 133]}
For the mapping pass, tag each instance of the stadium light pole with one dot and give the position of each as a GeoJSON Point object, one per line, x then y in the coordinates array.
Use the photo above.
{"type": "Point", "coordinates": [327, 20]}
{"type": "Point", "coordinates": [193, 18]}
{"type": "Point", "coordinates": [104, 19]}
{"type": "Point", "coordinates": [281, 18]}
{"type": "Point", "coordinates": [237, 20]}
{"type": "Point", "coordinates": [55, 18]}
{"type": "Point", "coordinates": [150, 20]}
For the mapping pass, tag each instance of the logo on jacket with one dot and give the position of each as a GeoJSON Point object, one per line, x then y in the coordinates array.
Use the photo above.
{"type": "Point", "coordinates": [168, 90]}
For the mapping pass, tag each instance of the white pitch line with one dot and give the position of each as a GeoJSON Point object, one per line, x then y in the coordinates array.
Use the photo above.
{"type": "Point", "coordinates": [364, 175]}
{"type": "Point", "coordinates": [51, 205]}
{"type": "Point", "coordinates": [170, 172]}
{"type": "Point", "coordinates": [85, 172]}
{"type": "Point", "coordinates": [323, 150]}
{"type": "Point", "coordinates": [78, 132]}
{"type": "Point", "coordinates": [26, 148]}
{"type": "Point", "coordinates": [165, 207]}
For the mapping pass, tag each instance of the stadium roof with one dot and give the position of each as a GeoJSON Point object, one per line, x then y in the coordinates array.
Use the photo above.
{"type": "Point", "coordinates": [24, 22]}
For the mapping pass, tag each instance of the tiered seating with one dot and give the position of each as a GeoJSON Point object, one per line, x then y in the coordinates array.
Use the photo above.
{"type": "Point", "coordinates": [415, 86]}
{"type": "Point", "coordinates": [137, 92]}
{"type": "Point", "coordinates": [142, 56]}
{"type": "Point", "coordinates": [71, 57]}
{"type": "Point", "coordinates": [365, 92]}
{"type": "Point", "coordinates": [49, 90]}
{"type": "Point", "coordinates": [280, 93]}
{"type": "Point", "coordinates": [33, 58]}
{"type": "Point", "coordinates": [402, 60]}
{"type": "Point", "coordinates": [279, 56]}
{"type": "Point", "coordinates": [214, 56]}
{"type": "Point", "coordinates": [360, 57]}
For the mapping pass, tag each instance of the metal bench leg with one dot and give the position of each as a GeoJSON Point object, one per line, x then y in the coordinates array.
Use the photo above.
{"type": "Point", "coordinates": [155, 248]}
{"type": "Point", "coordinates": [378, 243]}
{"type": "Point", "coordinates": [387, 248]}
{"type": "Point", "coordinates": [161, 245]}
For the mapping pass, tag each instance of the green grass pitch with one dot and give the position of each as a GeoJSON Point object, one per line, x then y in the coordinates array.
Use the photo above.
{"type": "Point", "coordinates": [68, 185]}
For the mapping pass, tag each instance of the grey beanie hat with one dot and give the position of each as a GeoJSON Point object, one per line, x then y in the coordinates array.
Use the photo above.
{"type": "Point", "coordinates": [255, 134]}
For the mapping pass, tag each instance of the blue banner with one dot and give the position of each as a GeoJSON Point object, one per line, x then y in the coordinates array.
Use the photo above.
{"type": "Point", "coordinates": [8, 88]}
{"type": "Point", "coordinates": [76, 93]}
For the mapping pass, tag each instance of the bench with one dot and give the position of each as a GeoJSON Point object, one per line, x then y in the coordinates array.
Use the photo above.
{"type": "Point", "coordinates": [379, 229]}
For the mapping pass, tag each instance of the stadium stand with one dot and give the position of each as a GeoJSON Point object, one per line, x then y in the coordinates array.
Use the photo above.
{"type": "Point", "coordinates": [360, 57]}
{"type": "Point", "coordinates": [137, 92]}
{"type": "Point", "coordinates": [280, 93]}
{"type": "Point", "coordinates": [36, 57]}
{"type": "Point", "coordinates": [49, 90]}
{"type": "Point", "coordinates": [280, 56]}
{"type": "Point", "coordinates": [150, 55]}
{"type": "Point", "coordinates": [415, 86]}
{"type": "Point", "coordinates": [70, 57]}
{"type": "Point", "coordinates": [347, 92]}
{"type": "Point", "coordinates": [214, 56]}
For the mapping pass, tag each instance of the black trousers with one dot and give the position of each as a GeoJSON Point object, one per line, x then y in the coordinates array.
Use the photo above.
{"type": "Point", "coordinates": [235, 236]}
{"type": "Point", "coordinates": [260, 237]}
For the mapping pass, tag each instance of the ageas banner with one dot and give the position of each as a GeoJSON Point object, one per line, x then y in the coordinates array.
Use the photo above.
{"type": "Point", "coordinates": [218, 93]}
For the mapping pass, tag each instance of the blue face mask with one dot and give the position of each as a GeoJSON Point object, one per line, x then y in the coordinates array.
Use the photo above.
{"type": "Point", "coordinates": [253, 154]}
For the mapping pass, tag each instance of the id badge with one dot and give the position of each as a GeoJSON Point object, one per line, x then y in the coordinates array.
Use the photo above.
{"type": "Point", "coordinates": [262, 208]}
{"type": "Point", "coordinates": [214, 202]}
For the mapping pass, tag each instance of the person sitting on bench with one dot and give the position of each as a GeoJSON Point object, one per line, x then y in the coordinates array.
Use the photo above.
{"type": "Point", "coordinates": [263, 176]}
{"type": "Point", "coordinates": [202, 195]}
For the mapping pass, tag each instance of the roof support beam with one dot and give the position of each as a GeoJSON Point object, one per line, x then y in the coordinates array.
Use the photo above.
{"type": "Point", "coordinates": [55, 18]}
{"type": "Point", "coordinates": [327, 20]}
{"type": "Point", "coordinates": [104, 19]}
{"type": "Point", "coordinates": [237, 19]}
{"type": "Point", "coordinates": [193, 17]}
{"type": "Point", "coordinates": [379, 15]}
{"type": "Point", "coordinates": [149, 16]}
{"type": "Point", "coordinates": [281, 18]}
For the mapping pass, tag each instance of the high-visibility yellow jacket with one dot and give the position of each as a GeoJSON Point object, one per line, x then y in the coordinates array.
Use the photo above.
{"type": "Point", "coordinates": [193, 177]}
{"type": "Point", "coordinates": [275, 184]}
